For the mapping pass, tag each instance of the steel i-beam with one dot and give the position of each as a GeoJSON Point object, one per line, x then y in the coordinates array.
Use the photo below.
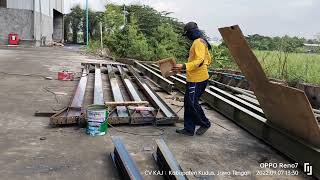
{"type": "Point", "coordinates": [152, 96]}
{"type": "Point", "coordinates": [167, 162]}
{"type": "Point", "coordinates": [127, 168]}
{"type": "Point", "coordinates": [116, 92]}
{"type": "Point", "coordinates": [72, 113]}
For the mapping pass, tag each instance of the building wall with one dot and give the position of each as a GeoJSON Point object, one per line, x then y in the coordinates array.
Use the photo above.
{"type": "Point", "coordinates": [46, 5]}
{"type": "Point", "coordinates": [15, 21]}
{"type": "Point", "coordinates": [18, 17]}
{"type": "Point", "coordinates": [44, 27]}
{"type": "Point", "coordinates": [20, 4]}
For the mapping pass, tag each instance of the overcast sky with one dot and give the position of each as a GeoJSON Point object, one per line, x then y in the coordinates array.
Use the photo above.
{"type": "Point", "coordinates": [265, 17]}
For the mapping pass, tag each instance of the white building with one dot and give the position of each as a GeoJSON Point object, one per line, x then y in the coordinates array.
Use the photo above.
{"type": "Point", "coordinates": [35, 21]}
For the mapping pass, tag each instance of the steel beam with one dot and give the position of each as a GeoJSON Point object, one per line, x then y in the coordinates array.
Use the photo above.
{"type": "Point", "coordinates": [153, 97]}
{"type": "Point", "coordinates": [72, 114]}
{"type": "Point", "coordinates": [164, 83]}
{"type": "Point", "coordinates": [98, 91]}
{"type": "Point", "coordinates": [116, 92]}
{"type": "Point", "coordinates": [127, 168]}
{"type": "Point", "coordinates": [129, 86]}
{"type": "Point", "coordinates": [251, 119]}
{"type": "Point", "coordinates": [167, 162]}
{"type": "Point", "coordinates": [81, 89]}
{"type": "Point", "coordinates": [292, 147]}
{"type": "Point", "coordinates": [238, 100]}
{"type": "Point", "coordinates": [146, 117]}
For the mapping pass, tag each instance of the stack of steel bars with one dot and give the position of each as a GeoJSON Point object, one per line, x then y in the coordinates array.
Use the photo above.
{"type": "Point", "coordinates": [242, 108]}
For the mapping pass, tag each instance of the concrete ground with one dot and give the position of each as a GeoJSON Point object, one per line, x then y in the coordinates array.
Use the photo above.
{"type": "Point", "coordinates": [68, 153]}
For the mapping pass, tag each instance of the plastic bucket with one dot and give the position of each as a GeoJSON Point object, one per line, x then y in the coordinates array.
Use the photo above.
{"type": "Point", "coordinates": [97, 116]}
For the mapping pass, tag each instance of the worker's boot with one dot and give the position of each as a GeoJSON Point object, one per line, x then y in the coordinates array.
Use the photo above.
{"type": "Point", "coordinates": [184, 131]}
{"type": "Point", "coordinates": [201, 130]}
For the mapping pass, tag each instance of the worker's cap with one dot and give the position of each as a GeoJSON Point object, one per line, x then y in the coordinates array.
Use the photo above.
{"type": "Point", "coordinates": [188, 27]}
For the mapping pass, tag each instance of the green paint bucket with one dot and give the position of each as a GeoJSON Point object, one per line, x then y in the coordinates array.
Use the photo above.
{"type": "Point", "coordinates": [97, 116]}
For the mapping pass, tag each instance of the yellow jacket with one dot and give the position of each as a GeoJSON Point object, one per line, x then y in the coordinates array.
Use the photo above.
{"type": "Point", "coordinates": [198, 61]}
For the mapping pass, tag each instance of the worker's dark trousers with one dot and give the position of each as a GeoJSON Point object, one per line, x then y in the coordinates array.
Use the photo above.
{"type": "Point", "coordinates": [193, 113]}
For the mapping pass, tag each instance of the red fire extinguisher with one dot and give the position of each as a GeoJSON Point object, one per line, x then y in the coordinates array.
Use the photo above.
{"type": "Point", "coordinates": [14, 39]}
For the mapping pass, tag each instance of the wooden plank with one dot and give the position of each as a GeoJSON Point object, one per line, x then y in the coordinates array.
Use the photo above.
{"type": "Point", "coordinates": [285, 107]}
{"type": "Point", "coordinates": [127, 103]}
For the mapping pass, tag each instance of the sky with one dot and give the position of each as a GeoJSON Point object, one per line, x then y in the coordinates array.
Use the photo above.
{"type": "Point", "coordinates": [265, 17]}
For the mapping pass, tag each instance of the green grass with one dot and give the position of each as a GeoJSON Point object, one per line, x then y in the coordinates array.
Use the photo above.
{"type": "Point", "coordinates": [299, 67]}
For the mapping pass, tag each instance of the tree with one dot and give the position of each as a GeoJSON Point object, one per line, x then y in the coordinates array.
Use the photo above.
{"type": "Point", "coordinates": [148, 35]}
{"type": "Point", "coordinates": [76, 15]}
{"type": "Point", "coordinates": [67, 23]}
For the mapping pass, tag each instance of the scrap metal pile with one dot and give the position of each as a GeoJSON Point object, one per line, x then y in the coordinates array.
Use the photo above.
{"type": "Point", "coordinates": [127, 95]}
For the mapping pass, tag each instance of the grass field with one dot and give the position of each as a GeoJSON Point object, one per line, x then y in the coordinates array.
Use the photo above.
{"type": "Point", "coordinates": [298, 67]}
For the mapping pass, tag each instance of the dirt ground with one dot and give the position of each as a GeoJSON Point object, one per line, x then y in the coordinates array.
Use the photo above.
{"type": "Point", "coordinates": [30, 149]}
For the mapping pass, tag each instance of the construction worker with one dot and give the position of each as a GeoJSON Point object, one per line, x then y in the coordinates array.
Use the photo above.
{"type": "Point", "coordinates": [197, 80]}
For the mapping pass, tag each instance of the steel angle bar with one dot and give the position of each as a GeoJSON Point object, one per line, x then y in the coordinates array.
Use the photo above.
{"type": "Point", "coordinates": [292, 147]}
{"type": "Point", "coordinates": [116, 92]}
{"type": "Point", "coordinates": [153, 97]}
{"type": "Point", "coordinates": [127, 168]}
{"type": "Point", "coordinates": [98, 91]}
{"type": "Point", "coordinates": [72, 113]}
{"type": "Point", "coordinates": [167, 162]}
{"type": "Point", "coordinates": [164, 83]}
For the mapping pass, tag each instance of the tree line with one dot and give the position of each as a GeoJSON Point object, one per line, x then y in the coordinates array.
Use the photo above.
{"type": "Point", "coordinates": [285, 43]}
{"type": "Point", "coordinates": [133, 31]}
{"type": "Point", "coordinates": [141, 32]}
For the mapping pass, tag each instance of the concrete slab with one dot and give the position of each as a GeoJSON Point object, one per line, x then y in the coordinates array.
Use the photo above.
{"type": "Point", "coordinates": [68, 153]}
